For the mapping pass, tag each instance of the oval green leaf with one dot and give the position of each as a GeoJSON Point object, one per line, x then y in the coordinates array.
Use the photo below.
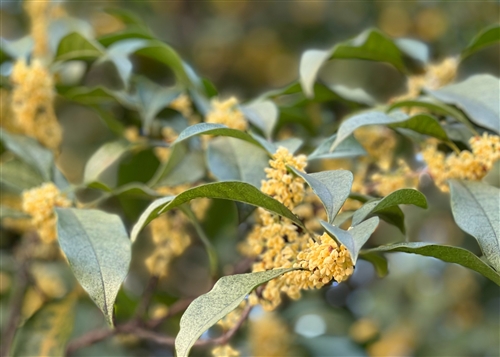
{"type": "Point", "coordinates": [476, 209]}
{"type": "Point", "coordinates": [98, 250]}
{"type": "Point", "coordinates": [209, 308]}
{"type": "Point", "coordinates": [487, 37]}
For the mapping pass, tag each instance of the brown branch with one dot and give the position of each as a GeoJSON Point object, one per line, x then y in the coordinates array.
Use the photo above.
{"type": "Point", "coordinates": [88, 339]}
{"type": "Point", "coordinates": [174, 309]}
{"type": "Point", "coordinates": [147, 295]}
{"type": "Point", "coordinates": [16, 303]}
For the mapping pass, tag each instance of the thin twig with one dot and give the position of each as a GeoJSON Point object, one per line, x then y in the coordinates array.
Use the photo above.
{"type": "Point", "coordinates": [88, 339]}
{"type": "Point", "coordinates": [147, 295]}
{"type": "Point", "coordinates": [177, 307]}
{"type": "Point", "coordinates": [15, 310]}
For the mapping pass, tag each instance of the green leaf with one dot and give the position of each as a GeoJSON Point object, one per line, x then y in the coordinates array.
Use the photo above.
{"type": "Point", "coordinates": [125, 16]}
{"type": "Point", "coordinates": [189, 170]}
{"type": "Point", "coordinates": [125, 34]}
{"type": "Point", "coordinates": [355, 237]}
{"type": "Point", "coordinates": [98, 250]}
{"type": "Point", "coordinates": [424, 124]}
{"type": "Point", "coordinates": [107, 155]}
{"type": "Point", "coordinates": [48, 330]}
{"type": "Point", "coordinates": [209, 308]}
{"type": "Point", "coordinates": [445, 253]}
{"type": "Point", "coordinates": [477, 96]}
{"type": "Point", "coordinates": [215, 129]}
{"type": "Point", "coordinates": [370, 45]}
{"type": "Point", "coordinates": [332, 188]}
{"type": "Point", "coordinates": [486, 37]}
{"type": "Point", "coordinates": [232, 159]}
{"type": "Point", "coordinates": [262, 114]}
{"type": "Point", "coordinates": [378, 261]}
{"type": "Point", "coordinates": [406, 196]}
{"type": "Point", "coordinates": [17, 176]}
{"type": "Point", "coordinates": [29, 151]}
{"type": "Point", "coordinates": [75, 46]}
{"type": "Point", "coordinates": [350, 147]}
{"type": "Point", "coordinates": [476, 209]}
{"type": "Point", "coordinates": [228, 190]}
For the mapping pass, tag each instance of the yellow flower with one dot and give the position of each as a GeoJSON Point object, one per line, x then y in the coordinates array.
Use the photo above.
{"type": "Point", "coordinates": [227, 113]}
{"type": "Point", "coordinates": [269, 336]}
{"type": "Point", "coordinates": [468, 165]}
{"type": "Point", "coordinates": [39, 202]}
{"type": "Point", "coordinates": [387, 182]}
{"type": "Point", "coordinates": [225, 351]}
{"type": "Point", "coordinates": [38, 12]}
{"type": "Point", "coordinates": [32, 103]}
{"type": "Point", "coordinates": [183, 105]}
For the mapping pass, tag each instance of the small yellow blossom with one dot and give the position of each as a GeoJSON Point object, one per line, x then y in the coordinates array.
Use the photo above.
{"type": "Point", "coordinates": [387, 182]}
{"type": "Point", "coordinates": [363, 330]}
{"type": "Point", "coordinates": [469, 165]}
{"type": "Point", "coordinates": [379, 142]}
{"type": "Point", "coordinates": [183, 105]}
{"type": "Point", "coordinates": [170, 239]}
{"type": "Point", "coordinates": [269, 336]}
{"type": "Point", "coordinates": [231, 319]}
{"type": "Point", "coordinates": [32, 103]}
{"type": "Point", "coordinates": [227, 113]}
{"type": "Point", "coordinates": [39, 202]}
{"type": "Point", "coordinates": [38, 12]}
{"type": "Point", "coordinates": [225, 351]}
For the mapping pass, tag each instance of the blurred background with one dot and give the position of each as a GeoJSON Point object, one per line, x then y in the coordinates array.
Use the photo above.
{"type": "Point", "coordinates": [424, 307]}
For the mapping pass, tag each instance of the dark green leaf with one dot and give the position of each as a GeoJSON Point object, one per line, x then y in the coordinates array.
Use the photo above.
{"type": "Point", "coordinates": [379, 262]}
{"type": "Point", "coordinates": [48, 330]}
{"type": "Point", "coordinates": [228, 190]}
{"type": "Point", "coordinates": [406, 196]}
{"type": "Point", "coordinates": [445, 253]}
{"type": "Point", "coordinates": [232, 159]}
{"type": "Point", "coordinates": [477, 96]}
{"type": "Point", "coordinates": [332, 188]}
{"type": "Point", "coordinates": [370, 45]}
{"type": "Point", "coordinates": [487, 37]}
{"type": "Point", "coordinates": [209, 308]}
{"type": "Point", "coordinates": [98, 250]}
{"type": "Point", "coordinates": [29, 151]}
{"type": "Point", "coordinates": [476, 209]}
{"type": "Point", "coordinates": [214, 129]}
{"type": "Point", "coordinates": [423, 124]}
{"type": "Point", "coordinates": [125, 34]}
{"type": "Point", "coordinates": [75, 46]}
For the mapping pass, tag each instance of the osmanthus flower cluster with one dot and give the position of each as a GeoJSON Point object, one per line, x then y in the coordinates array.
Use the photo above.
{"type": "Point", "coordinates": [275, 242]}
{"type": "Point", "coordinates": [226, 112]}
{"type": "Point", "coordinates": [471, 165]}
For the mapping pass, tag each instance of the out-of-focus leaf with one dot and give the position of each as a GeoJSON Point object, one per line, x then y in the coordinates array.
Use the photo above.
{"type": "Point", "coordinates": [227, 190]}
{"type": "Point", "coordinates": [378, 261]}
{"type": "Point", "coordinates": [209, 308]}
{"type": "Point", "coordinates": [125, 34]}
{"type": "Point", "coordinates": [423, 124]}
{"type": "Point", "coordinates": [98, 250]}
{"type": "Point", "coordinates": [125, 16]}
{"type": "Point", "coordinates": [414, 49]}
{"type": "Point", "coordinates": [477, 96]}
{"type": "Point", "coordinates": [233, 159]}
{"type": "Point", "coordinates": [8, 212]}
{"type": "Point", "coordinates": [486, 37]}
{"type": "Point", "coordinates": [190, 169]}
{"type": "Point", "coordinates": [17, 176]}
{"type": "Point", "coordinates": [405, 196]}
{"type": "Point", "coordinates": [29, 151]}
{"type": "Point", "coordinates": [476, 209]}
{"type": "Point", "coordinates": [48, 330]}
{"type": "Point", "coordinates": [20, 48]}
{"type": "Point", "coordinates": [332, 188]}
{"type": "Point", "coordinates": [177, 154]}
{"type": "Point", "coordinates": [350, 147]}
{"type": "Point", "coordinates": [370, 45]}
{"type": "Point", "coordinates": [103, 158]}
{"type": "Point", "coordinates": [435, 106]}
{"type": "Point", "coordinates": [214, 129]}
{"type": "Point", "coordinates": [262, 114]}
{"type": "Point", "coordinates": [354, 238]}
{"type": "Point", "coordinates": [75, 46]}
{"type": "Point", "coordinates": [152, 98]}
{"type": "Point", "coordinates": [445, 253]}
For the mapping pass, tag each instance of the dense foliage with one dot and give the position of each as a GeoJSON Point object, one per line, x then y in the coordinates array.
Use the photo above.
{"type": "Point", "coordinates": [282, 192]}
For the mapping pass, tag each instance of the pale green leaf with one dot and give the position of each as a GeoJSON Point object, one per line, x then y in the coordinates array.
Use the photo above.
{"type": "Point", "coordinates": [228, 190]}
{"type": "Point", "coordinates": [477, 96]}
{"type": "Point", "coordinates": [209, 308]}
{"type": "Point", "coordinates": [17, 176]}
{"type": "Point", "coordinates": [48, 330]}
{"type": "Point", "coordinates": [230, 159]}
{"type": "Point", "coordinates": [350, 147]}
{"type": "Point", "coordinates": [332, 188]}
{"type": "Point", "coordinates": [476, 209]}
{"type": "Point", "coordinates": [29, 151]}
{"type": "Point", "coordinates": [98, 250]}
{"type": "Point", "coordinates": [445, 253]}
{"type": "Point", "coordinates": [405, 196]}
{"type": "Point", "coordinates": [107, 155]}
{"type": "Point", "coordinates": [262, 114]}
